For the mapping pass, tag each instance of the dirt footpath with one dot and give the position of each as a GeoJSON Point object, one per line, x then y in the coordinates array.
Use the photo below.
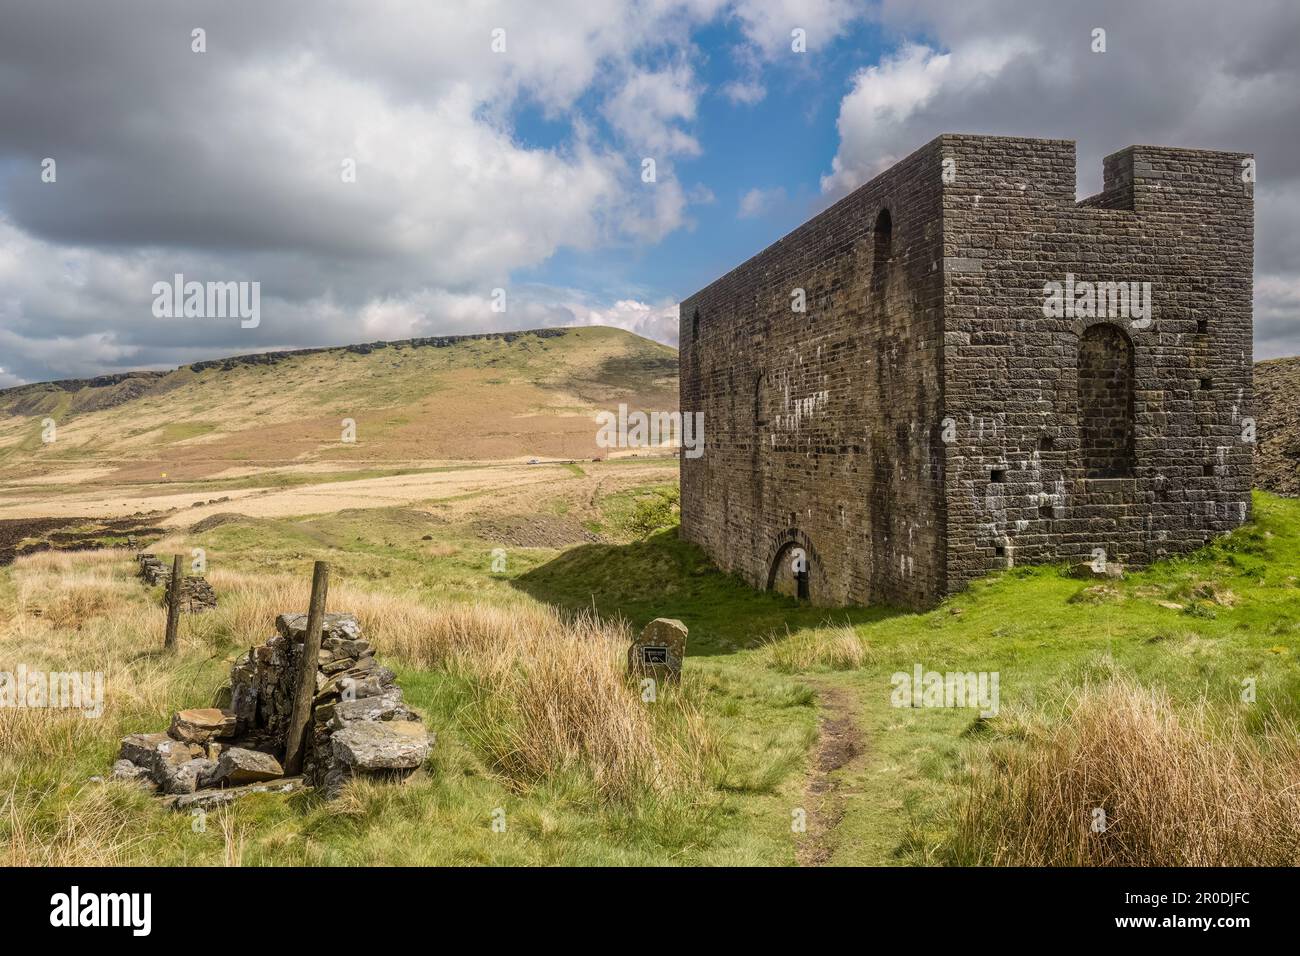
{"type": "Point", "coordinates": [841, 746]}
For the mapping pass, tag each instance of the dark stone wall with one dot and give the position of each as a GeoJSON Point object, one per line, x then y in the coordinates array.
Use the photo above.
{"type": "Point", "coordinates": [921, 423]}
{"type": "Point", "coordinates": [1182, 220]}
{"type": "Point", "coordinates": [820, 426]}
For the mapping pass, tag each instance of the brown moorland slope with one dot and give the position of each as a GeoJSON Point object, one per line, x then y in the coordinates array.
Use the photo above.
{"type": "Point", "coordinates": [496, 397]}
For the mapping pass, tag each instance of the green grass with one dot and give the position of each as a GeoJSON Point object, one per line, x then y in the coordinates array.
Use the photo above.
{"type": "Point", "coordinates": [1022, 624]}
{"type": "Point", "coordinates": [180, 431]}
{"type": "Point", "coordinates": [1241, 620]}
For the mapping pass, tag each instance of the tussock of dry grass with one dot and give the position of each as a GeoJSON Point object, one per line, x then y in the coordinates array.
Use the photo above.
{"type": "Point", "coordinates": [93, 830]}
{"type": "Point", "coordinates": [1178, 788]}
{"type": "Point", "coordinates": [824, 648]}
{"type": "Point", "coordinates": [551, 691]}
{"type": "Point", "coordinates": [553, 696]}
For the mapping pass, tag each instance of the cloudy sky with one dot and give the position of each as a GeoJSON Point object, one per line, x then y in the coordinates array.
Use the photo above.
{"type": "Point", "coordinates": [522, 168]}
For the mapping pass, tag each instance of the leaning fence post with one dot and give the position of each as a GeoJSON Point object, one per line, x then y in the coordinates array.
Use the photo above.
{"type": "Point", "coordinates": [173, 604]}
{"type": "Point", "coordinates": [305, 691]}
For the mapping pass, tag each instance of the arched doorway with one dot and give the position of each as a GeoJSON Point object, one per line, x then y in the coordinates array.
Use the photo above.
{"type": "Point", "coordinates": [791, 572]}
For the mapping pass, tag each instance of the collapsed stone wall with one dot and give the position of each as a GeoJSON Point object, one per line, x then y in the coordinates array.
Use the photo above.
{"type": "Point", "coordinates": [924, 421]}
{"type": "Point", "coordinates": [360, 724]}
{"type": "Point", "coordinates": [196, 593]}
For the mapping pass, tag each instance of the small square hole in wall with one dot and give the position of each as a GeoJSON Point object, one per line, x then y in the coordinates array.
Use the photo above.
{"type": "Point", "coordinates": [1046, 511]}
{"type": "Point", "coordinates": [999, 551]}
{"type": "Point", "coordinates": [998, 475]}
{"type": "Point", "coordinates": [1207, 471]}
{"type": "Point", "coordinates": [1046, 442]}
{"type": "Point", "coordinates": [1202, 326]}
{"type": "Point", "coordinates": [1206, 384]}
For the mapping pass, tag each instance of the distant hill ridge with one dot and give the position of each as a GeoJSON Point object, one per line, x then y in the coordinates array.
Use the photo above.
{"type": "Point", "coordinates": [271, 358]}
{"type": "Point", "coordinates": [486, 396]}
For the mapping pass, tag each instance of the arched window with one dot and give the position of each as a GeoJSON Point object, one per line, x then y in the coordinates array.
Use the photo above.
{"type": "Point", "coordinates": [1106, 402]}
{"type": "Point", "coordinates": [882, 249]}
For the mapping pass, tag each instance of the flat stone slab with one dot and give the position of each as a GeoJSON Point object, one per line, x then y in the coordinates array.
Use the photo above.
{"type": "Point", "coordinates": [382, 745]}
{"type": "Point", "coordinates": [202, 724]}
{"type": "Point", "coordinates": [206, 799]}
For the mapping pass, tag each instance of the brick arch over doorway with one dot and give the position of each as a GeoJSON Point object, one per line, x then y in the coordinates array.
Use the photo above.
{"type": "Point", "coordinates": [786, 574]}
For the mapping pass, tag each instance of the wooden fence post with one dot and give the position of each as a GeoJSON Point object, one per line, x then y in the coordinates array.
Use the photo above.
{"type": "Point", "coordinates": [173, 604]}
{"type": "Point", "coordinates": [300, 718]}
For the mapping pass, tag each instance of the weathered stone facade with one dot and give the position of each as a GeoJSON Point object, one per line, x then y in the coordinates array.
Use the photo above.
{"type": "Point", "coordinates": [929, 418]}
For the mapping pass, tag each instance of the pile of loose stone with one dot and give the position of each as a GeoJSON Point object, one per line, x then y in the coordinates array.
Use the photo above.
{"type": "Point", "coordinates": [196, 593]}
{"type": "Point", "coordinates": [360, 725]}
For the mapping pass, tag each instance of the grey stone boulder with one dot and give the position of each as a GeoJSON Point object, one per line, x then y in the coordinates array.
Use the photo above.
{"type": "Point", "coordinates": [336, 626]}
{"type": "Point", "coordinates": [1086, 571]}
{"type": "Point", "coordinates": [381, 745]}
{"type": "Point", "coordinates": [184, 778]}
{"type": "Point", "coordinates": [238, 765]}
{"type": "Point", "coordinates": [126, 770]}
{"type": "Point", "coordinates": [140, 748]}
{"type": "Point", "coordinates": [387, 706]}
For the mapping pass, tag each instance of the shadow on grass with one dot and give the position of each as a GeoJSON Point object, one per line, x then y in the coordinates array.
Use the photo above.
{"type": "Point", "coordinates": [664, 576]}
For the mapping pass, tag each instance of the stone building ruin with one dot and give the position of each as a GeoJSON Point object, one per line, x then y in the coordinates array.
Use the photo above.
{"type": "Point", "coordinates": [986, 372]}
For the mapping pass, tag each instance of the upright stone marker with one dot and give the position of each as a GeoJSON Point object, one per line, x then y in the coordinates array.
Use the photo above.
{"type": "Point", "coordinates": [659, 651]}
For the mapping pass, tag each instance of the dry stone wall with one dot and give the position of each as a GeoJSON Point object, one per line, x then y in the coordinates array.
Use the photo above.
{"type": "Point", "coordinates": [196, 593]}
{"type": "Point", "coordinates": [360, 724]}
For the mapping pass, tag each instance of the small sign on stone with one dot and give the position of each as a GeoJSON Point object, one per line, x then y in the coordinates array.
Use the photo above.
{"type": "Point", "coordinates": [659, 651]}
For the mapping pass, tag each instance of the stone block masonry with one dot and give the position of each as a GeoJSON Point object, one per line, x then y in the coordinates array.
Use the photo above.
{"type": "Point", "coordinates": [986, 373]}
